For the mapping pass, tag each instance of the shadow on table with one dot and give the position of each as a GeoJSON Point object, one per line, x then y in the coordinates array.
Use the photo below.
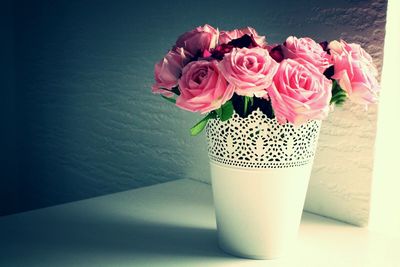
{"type": "Point", "coordinates": [116, 236]}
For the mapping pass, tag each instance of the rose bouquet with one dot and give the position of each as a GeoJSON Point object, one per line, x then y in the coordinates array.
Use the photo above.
{"type": "Point", "coordinates": [266, 103]}
{"type": "Point", "coordinates": [218, 72]}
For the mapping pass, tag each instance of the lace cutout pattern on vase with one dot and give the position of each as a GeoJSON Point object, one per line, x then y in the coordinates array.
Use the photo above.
{"type": "Point", "coordinates": [260, 142]}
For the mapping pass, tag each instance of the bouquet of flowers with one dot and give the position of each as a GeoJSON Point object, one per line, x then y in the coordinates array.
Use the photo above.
{"type": "Point", "coordinates": [218, 72]}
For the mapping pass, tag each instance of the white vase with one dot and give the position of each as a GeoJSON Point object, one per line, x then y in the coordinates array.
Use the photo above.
{"type": "Point", "coordinates": [260, 172]}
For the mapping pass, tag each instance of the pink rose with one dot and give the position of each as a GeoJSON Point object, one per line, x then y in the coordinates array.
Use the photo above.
{"type": "Point", "coordinates": [300, 92]}
{"type": "Point", "coordinates": [198, 40]}
{"type": "Point", "coordinates": [249, 71]}
{"type": "Point", "coordinates": [168, 71]}
{"type": "Point", "coordinates": [202, 87]}
{"type": "Point", "coordinates": [355, 72]}
{"type": "Point", "coordinates": [307, 49]}
{"type": "Point", "coordinates": [227, 36]}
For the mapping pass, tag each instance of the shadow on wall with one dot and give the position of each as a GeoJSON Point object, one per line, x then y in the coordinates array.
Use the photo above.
{"type": "Point", "coordinates": [88, 123]}
{"type": "Point", "coordinates": [9, 186]}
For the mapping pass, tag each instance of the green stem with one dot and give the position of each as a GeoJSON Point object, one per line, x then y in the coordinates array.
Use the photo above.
{"type": "Point", "coordinates": [247, 99]}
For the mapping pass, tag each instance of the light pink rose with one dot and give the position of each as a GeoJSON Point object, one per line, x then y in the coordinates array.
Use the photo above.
{"type": "Point", "coordinates": [202, 87]}
{"type": "Point", "coordinates": [227, 36]}
{"type": "Point", "coordinates": [168, 71]}
{"type": "Point", "coordinates": [300, 92]}
{"type": "Point", "coordinates": [355, 72]}
{"type": "Point", "coordinates": [249, 71]}
{"type": "Point", "coordinates": [307, 49]}
{"type": "Point", "coordinates": [198, 40]}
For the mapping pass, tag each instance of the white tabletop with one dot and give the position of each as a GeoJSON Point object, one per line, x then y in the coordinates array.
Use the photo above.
{"type": "Point", "coordinates": [170, 224]}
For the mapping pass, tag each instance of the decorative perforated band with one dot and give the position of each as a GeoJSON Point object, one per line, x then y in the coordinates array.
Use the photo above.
{"type": "Point", "coordinates": [260, 142]}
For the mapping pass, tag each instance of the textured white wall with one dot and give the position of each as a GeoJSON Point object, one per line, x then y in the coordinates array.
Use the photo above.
{"type": "Point", "coordinates": [340, 184]}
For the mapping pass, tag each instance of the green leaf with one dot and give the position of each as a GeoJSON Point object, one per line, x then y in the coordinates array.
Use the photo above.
{"type": "Point", "coordinates": [339, 95]}
{"type": "Point", "coordinates": [339, 103]}
{"type": "Point", "coordinates": [198, 127]}
{"type": "Point", "coordinates": [175, 90]}
{"type": "Point", "coordinates": [172, 100]}
{"type": "Point", "coordinates": [219, 112]}
{"type": "Point", "coordinates": [227, 111]}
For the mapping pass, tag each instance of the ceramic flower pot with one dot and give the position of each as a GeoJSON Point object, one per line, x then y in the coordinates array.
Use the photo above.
{"type": "Point", "coordinates": [260, 172]}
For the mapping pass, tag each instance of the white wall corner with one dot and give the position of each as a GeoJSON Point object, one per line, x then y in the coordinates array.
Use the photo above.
{"type": "Point", "coordinates": [341, 181]}
{"type": "Point", "coordinates": [385, 201]}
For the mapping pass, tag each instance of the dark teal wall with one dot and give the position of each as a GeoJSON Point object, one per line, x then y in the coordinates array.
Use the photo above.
{"type": "Point", "coordinates": [88, 124]}
{"type": "Point", "coordinates": [9, 181]}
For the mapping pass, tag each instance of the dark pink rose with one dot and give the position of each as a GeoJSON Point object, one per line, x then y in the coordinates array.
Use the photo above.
{"type": "Point", "coordinates": [276, 52]}
{"type": "Point", "coordinates": [202, 87]}
{"type": "Point", "coordinates": [227, 36]}
{"type": "Point", "coordinates": [219, 52]}
{"type": "Point", "coordinates": [168, 71]}
{"type": "Point", "coordinates": [355, 72]}
{"type": "Point", "coordinates": [249, 70]}
{"type": "Point", "coordinates": [300, 92]}
{"type": "Point", "coordinates": [307, 49]}
{"type": "Point", "coordinates": [198, 40]}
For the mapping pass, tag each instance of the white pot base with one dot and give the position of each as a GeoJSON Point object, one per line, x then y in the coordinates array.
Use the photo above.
{"type": "Point", "coordinates": [258, 211]}
{"type": "Point", "coordinates": [272, 255]}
